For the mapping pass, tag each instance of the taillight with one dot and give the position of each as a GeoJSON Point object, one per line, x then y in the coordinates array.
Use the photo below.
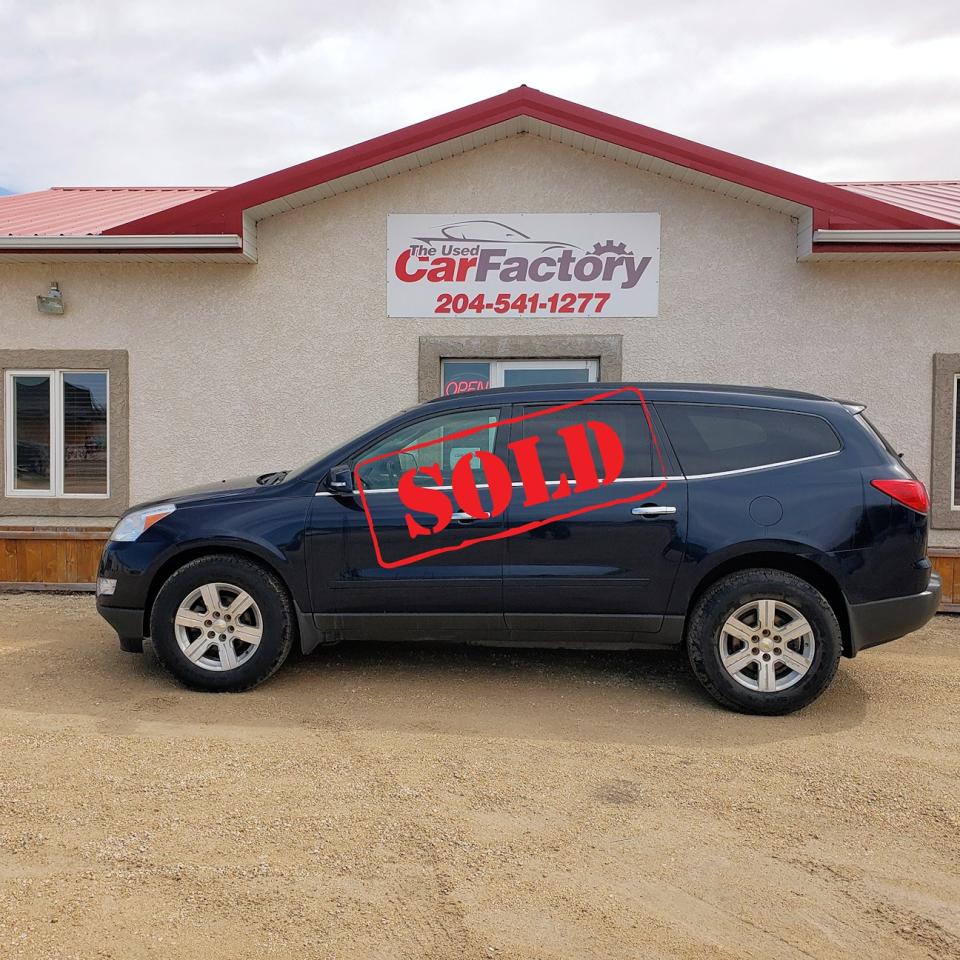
{"type": "Point", "coordinates": [911, 493]}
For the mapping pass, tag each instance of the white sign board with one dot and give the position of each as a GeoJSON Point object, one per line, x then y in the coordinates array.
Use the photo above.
{"type": "Point", "coordinates": [523, 264]}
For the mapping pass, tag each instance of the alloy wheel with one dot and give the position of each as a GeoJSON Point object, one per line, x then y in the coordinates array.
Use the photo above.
{"type": "Point", "coordinates": [767, 645]}
{"type": "Point", "coordinates": [218, 626]}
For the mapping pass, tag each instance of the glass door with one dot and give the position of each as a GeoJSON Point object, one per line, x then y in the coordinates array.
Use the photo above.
{"type": "Point", "coordinates": [462, 376]}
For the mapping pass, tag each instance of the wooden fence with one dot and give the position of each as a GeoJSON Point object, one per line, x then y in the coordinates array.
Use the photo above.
{"type": "Point", "coordinates": [946, 561]}
{"type": "Point", "coordinates": [50, 558]}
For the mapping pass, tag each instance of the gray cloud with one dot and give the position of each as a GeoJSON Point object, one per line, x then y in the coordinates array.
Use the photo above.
{"type": "Point", "coordinates": [169, 91]}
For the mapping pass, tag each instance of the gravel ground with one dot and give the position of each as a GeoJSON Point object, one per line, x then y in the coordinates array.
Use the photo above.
{"type": "Point", "coordinates": [377, 801]}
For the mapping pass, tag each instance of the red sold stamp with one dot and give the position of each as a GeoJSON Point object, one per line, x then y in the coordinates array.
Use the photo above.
{"type": "Point", "coordinates": [595, 452]}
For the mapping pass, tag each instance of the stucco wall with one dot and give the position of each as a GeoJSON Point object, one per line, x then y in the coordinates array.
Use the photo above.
{"type": "Point", "coordinates": [243, 368]}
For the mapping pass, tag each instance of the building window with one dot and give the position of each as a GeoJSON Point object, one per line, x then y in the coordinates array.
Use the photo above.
{"type": "Point", "coordinates": [955, 498]}
{"type": "Point", "coordinates": [498, 361]}
{"type": "Point", "coordinates": [945, 466]}
{"type": "Point", "coordinates": [57, 433]}
{"type": "Point", "coordinates": [463, 376]}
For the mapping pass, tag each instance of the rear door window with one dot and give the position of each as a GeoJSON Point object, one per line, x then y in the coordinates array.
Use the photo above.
{"type": "Point", "coordinates": [713, 438]}
{"type": "Point", "coordinates": [627, 420]}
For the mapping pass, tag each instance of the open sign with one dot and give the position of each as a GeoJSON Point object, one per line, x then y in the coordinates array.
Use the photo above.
{"type": "Point", "coordinates": [485, 485]}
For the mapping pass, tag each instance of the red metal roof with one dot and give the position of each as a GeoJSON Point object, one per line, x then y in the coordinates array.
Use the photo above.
{"type": "Point", "coordinates": [833, 206]}
{"type": "Point", "coordinates": [179, 211]}
{"type": "Point", "coordinates": [77, 211]}
{"type": "Point", "coordinates": [935, 198]}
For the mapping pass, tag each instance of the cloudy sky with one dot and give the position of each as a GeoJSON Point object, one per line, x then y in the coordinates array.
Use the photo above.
{"type": "Point", "coordinates": [198, 92]}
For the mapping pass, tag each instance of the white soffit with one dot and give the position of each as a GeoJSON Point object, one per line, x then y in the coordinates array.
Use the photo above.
{"type": "Point", "coordinates": [111, 256]}
{"type": "Point", "coordinates": [868, 257]}
{"type": "Point", "coordinates": [887, 236]}
{"type": "Point", "coordinates": [88, 248]}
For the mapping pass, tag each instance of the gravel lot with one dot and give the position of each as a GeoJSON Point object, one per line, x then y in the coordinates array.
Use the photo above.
{"type": "Point", "coordinates": [379, 801]}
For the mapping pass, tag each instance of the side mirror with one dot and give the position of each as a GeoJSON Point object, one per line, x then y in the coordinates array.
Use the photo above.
{"type": "Point", "coordinates": [340, 479]}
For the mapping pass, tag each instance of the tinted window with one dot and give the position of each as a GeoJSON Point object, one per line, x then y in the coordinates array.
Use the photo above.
{"type": "Point", "coordinates": [626, 419]}
{"type": "Point", "coordinates": [31, 431]}
{"type": "Point", "coordinates": [711, 439]}
{"type": "Point", "coordinates": [436, 441]}
{"type": "Point", "coordinates": [524, 376]}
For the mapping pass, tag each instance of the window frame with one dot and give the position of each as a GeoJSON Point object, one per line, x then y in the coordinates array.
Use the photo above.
{"type": "Point", "coordinates": [944, 509]}
{"type": "Point", "coordinates": [607, 348]}
{"type": "Point", "coordinates": [499, 366]}
{"type": "Point", "coordinates": [954, 387]}
{"type": "Point", "coordinates": [57, 413]}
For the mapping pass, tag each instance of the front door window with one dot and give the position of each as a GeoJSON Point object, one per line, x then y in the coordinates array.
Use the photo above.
{"type": "Point", "coordinates": [464, 376]}
{"type": "Point", "coordinates": [436, 443]}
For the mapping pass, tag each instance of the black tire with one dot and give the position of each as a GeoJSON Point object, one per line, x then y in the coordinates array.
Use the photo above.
{"type": "Point", "coordinates": [726, 596]}
{"type": "Point", "coordinates": [276, 612]}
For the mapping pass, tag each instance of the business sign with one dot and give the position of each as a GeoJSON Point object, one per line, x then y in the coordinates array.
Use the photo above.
{"type": "Point", "coordinates": [523, 264]}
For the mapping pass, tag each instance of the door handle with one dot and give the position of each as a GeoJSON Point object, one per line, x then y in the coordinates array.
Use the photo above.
{"type": "Point", "coordinates": [463, 517]}
{"type": "Point", "coordinates": [653, 511]}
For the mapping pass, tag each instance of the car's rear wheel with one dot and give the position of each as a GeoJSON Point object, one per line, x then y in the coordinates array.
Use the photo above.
{"type": "Point", "coordinates": [763, 641]}
{"type": "Point", "coordinates": [222, 623]}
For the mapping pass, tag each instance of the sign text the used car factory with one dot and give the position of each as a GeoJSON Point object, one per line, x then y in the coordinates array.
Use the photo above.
{"type": "Point", "coordinates": [528, 264]}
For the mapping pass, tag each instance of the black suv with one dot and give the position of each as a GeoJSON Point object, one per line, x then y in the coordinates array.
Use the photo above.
{"type": "Point", "coordinates": [764, 531]}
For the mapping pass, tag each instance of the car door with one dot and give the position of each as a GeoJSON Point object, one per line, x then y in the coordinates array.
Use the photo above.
{"type": "Point", "coordinates": [380, 579]}
{"type": "Point", "coordinates": [607, 569]}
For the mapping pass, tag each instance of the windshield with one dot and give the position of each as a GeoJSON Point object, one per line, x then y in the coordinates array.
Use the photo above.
{"type": "Point", "coordinates": [304, 467]}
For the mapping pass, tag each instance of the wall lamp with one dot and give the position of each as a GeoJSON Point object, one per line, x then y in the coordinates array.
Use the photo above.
{"type": "Point", "coordinates": [52, 302]}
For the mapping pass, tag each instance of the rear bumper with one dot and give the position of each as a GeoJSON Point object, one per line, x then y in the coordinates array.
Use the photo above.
{"type": "Point", "coordinates": [128, 622]}
{"type": "Point", "coordinates": [886, 620]}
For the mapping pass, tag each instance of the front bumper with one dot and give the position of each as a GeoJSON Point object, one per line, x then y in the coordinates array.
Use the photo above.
{"type": "Point", "coordinates": [886, 620]}
{"type": "Point", "coordinates": [128, 622]}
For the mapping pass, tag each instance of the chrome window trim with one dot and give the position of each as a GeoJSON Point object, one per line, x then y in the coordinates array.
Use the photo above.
{"type": "Point", "coordinates": [763, 466]}
{"type": "Point", "coordinates": [484, 486]}
{"type": "Point", "coordinates": [692, 476]}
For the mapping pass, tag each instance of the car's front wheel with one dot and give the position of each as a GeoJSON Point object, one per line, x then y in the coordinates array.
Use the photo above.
{"type": "Point", "coordinates": [763, 641]}
{"type": "Point", "coordinates": [222, 623]}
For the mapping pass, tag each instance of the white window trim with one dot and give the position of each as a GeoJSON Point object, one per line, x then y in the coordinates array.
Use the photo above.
{"type": "Point", "coordinates": [55, 491]}
{"type": "Point", "coordinates": [499, 367]}
{"type": "Point", "coordinates": [954, 506]}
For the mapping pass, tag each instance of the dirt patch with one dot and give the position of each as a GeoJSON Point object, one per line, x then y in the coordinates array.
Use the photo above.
{"type": "Point", "coordinates": [380, 801]}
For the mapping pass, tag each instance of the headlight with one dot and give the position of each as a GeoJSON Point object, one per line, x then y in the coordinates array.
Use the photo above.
{"type": "Point", "coordinates": [133, 524]}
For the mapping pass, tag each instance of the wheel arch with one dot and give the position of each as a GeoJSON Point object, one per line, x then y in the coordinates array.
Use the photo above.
{"type": "Point", "coordinates": [800, 566]}
{"type": "Point", "coordinates": [194, 552]}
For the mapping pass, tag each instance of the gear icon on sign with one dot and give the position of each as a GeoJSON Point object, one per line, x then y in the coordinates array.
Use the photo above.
{"type": "Point", "coordinates": [608, 246]}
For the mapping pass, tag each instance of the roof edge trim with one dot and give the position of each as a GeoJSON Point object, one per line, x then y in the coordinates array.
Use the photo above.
{"type": "Point", "coordinates": [214, 241]}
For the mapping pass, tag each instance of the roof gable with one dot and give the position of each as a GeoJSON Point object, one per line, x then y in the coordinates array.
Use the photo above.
{"type": "Point", "coordinates": [835, 221]}
{"type": "Point", "coordinates": [833, 206]}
